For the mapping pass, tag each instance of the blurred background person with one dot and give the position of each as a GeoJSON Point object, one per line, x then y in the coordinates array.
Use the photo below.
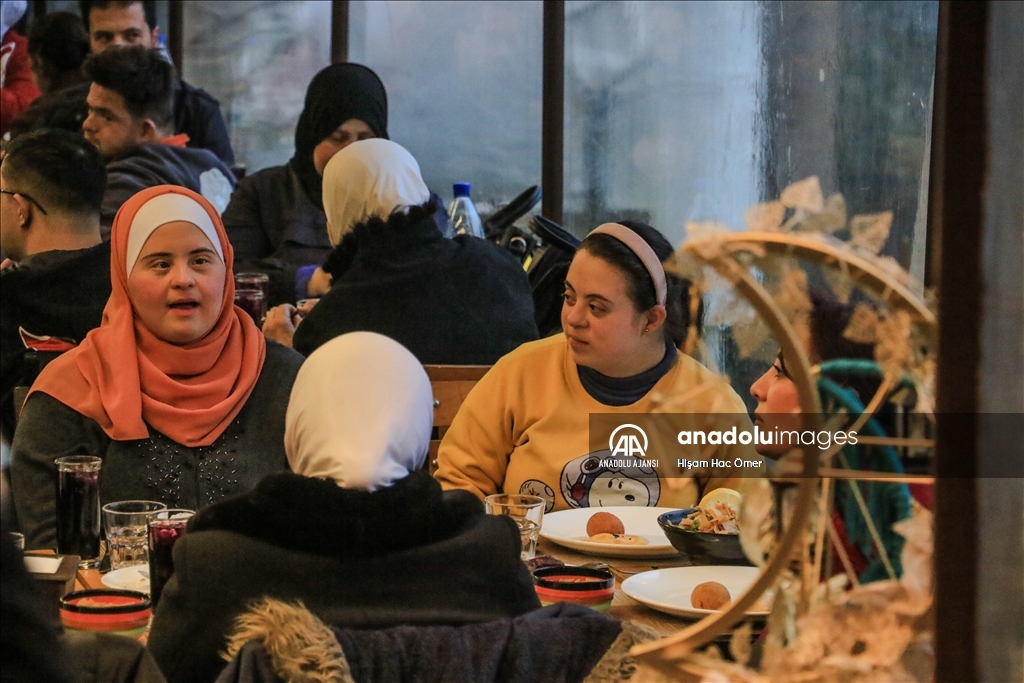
{"type": "Point", "coordinates": [779, 407]}
{"type": "Point", "coordinates": [177, 390]}
{"type": "Point", "coordinates": [525, 426]}
{"type": "Point", "coordinates": [357, 531]}
{"type": "Point", "coordinates": [51, 188]}
{"type": "Point", "coordinates": [131, 122]}
{"type": "Point", "coordinates": [57, 46]}
{"type": "Point", "coordinates": [196, 112]}
{"type": "Point", "coordinates": [17, 89]}
{"type": "Point", "coordinates": [276, 219]}
{"type": "Point", "coordinates": [462, 301]}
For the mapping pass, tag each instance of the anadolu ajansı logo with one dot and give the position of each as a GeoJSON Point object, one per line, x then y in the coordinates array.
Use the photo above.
{"type": "Point", "coordinates": [628, 443]}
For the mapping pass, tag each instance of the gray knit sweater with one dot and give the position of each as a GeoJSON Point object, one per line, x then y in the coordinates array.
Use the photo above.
{"type": "Point", "coordinates": [156, 468]}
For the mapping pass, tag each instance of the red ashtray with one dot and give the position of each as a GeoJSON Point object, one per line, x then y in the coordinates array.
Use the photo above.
{"type": "Point", "coordinates": [587, 586]}
{"type": "Point", "coordinates": [107, 609]}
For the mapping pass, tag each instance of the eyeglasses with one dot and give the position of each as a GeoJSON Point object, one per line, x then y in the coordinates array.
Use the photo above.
{"type": "Point", "coordinates": [40, 206]}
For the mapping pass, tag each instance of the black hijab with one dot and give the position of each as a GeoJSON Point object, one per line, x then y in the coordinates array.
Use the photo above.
{"type": "Point", "coordinates": [336, 94]}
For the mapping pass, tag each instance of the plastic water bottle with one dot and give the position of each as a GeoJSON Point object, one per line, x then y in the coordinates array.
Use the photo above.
{"type": "Point", "coordinates": [463, 218]}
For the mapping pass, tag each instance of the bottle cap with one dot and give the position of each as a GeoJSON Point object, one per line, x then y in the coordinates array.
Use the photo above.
{"type": "Point", "coordinates": [461, 189]}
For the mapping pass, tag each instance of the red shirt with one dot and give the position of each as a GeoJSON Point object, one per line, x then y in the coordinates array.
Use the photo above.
{"type": "Point", "coordinates": [17, 89]}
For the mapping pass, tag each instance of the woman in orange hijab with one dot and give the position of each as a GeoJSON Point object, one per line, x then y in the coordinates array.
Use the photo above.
{"type": "Point", "coordinates": [177, 390]}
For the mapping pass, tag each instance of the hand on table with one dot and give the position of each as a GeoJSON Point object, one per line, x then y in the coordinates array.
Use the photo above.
{"type": "Point", "coordinates": [303, 308]}
{"type": "Point", "coordinates": [280, 324]}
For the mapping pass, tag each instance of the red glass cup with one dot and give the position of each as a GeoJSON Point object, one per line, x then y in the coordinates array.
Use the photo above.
{"type": "Point", "coordinates": [260, 281]}
{"type": "Point", "coordinates": [78, 507]}
{"type": "Point", "coordinates": [165, 528]}
{"type": "Point", "coordinates": [253, 302]}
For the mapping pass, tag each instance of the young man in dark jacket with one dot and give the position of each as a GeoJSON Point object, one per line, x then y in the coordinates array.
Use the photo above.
{"type": "Point", "coordinates": [196, 112]}
{"type": "Point", "coordinates": [131, 122]}
{"type": "Point", "coordinates": [58, 280]}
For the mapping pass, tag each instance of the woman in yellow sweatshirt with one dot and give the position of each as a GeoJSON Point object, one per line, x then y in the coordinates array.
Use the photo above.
{"type": "Point", "coordinates": [526, 426]}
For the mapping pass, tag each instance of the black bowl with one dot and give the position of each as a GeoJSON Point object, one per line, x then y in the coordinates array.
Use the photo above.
{"type": "Point", "coordinates": [701, 547]}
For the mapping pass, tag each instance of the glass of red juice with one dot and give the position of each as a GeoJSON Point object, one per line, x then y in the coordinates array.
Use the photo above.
{"type": "Point", "coordinates": [78, 508]}
{"type": "Point", "coordinates": [260, 281]}
{"type": "Point", "coordinates": [165, 528]}
{"type": "Point", "coordinates": [253, 302]}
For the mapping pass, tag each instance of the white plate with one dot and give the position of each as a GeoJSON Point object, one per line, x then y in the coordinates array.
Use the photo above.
{"type": "Point", "coordinates": [569, 528]}
{"type": "Point", "coordinates": [128, 578]}
{"type": "Point", "coordinates": [668, 590]}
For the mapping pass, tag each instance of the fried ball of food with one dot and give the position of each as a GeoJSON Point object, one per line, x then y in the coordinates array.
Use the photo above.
{"type": "Point", "coordinates": [604, 523]}
{"type": "Point", "coordinates": [710, 595]}
{"type": "Point", "coordinates": [618, 539]}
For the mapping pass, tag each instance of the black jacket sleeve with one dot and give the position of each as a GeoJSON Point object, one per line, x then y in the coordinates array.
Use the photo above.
{"type": "Point", "coordinates": [197, 114]}
{"type": "Point", "coordinates": [254, 221]}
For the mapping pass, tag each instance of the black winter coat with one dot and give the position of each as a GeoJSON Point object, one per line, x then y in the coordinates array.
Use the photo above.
{"type": "Point", "coordinates": [405, 554]}
{"type": "Point", "coordinates": [57, 294]}
{"type": "Point", "coordinates": [462, 301]}
{"type": "Point", "coordinates": [275, 228]}
{"type": "Point", "coordinates": [157, 163]}
{"type": "Point", "coordinates": [197, 114]}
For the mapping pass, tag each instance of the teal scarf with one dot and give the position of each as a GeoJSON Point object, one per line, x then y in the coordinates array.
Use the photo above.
{"type": "Point", "coordinates": [886, 502]}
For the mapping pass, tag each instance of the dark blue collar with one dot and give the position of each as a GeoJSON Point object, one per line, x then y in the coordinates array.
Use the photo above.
{"type": "Point", "coordinates": [622, 391]}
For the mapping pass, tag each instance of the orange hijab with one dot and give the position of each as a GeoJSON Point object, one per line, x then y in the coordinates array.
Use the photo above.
{"type": "Point", "coordinates": [124, 377]}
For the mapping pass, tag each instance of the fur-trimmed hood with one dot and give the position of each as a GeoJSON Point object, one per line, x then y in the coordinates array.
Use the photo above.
{"type": "Point", "coordinates": [558, 644]}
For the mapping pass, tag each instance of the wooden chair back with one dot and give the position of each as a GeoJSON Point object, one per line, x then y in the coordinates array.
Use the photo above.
{"type": "Point", "coordinates": [450, 384]}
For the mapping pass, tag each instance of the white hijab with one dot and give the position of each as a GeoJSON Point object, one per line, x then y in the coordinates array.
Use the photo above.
{"type": "Point", "coordinates": [360, 413]}
{"type": "Point", "coordinates": [369, 178]}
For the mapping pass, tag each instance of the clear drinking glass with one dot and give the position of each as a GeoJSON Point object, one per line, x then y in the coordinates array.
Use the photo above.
{"type": "Point", "coordinates": [125, 523]}
{"type": "Point", "coordinates": [526, 511]}
{"type": "Point", "coordinates": [165, 528]}
{"type": "Point", "coordinates": [78, 507]}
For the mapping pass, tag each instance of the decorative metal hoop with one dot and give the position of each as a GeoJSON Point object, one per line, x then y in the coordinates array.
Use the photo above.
{"type": "Point", "coordinates": [668, 655]}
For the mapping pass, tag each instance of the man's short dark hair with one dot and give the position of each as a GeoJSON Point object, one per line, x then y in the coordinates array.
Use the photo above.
{"type": "Point", "coordinates": [61, 170]}
{"type": "Point", "coordinates": [141, 76]}
{"type": "Point", "coordinates": [60, 43]}
{"type": "Point", "coordinates": [148, 8]}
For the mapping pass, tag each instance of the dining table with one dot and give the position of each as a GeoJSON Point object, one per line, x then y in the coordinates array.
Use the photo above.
{"type": "Point", "coordinates": [90, 578]}
{"type": "Point", "coordinates": [624, 607]}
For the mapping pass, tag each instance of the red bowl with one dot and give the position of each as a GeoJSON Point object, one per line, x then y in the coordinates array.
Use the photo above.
{"type": "Point", "coordinates": [587, 586]}
{"type": "Point", "coordinates": [106, 609]}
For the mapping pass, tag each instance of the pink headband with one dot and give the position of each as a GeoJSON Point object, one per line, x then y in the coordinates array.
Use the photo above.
{"type": "Point", "coordinates": [643, 251]}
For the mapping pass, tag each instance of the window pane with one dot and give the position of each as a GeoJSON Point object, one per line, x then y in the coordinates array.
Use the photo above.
{"type": "Point", "coordinates": [464, 88]}
{"type": "Point", "coordinates": [661, 104]}
{"type": "Point", "coordinates": [693, 111]}
{"type": "Point", "coordinates": [679, 111]}
{"type": "Point", "coordinates": [846, 92]}
{"type": "Point", "coordinates": [257, 58]}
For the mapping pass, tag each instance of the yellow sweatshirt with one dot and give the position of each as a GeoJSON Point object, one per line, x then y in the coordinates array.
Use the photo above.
{"type": "Point", "coordinates": [524, 428]}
